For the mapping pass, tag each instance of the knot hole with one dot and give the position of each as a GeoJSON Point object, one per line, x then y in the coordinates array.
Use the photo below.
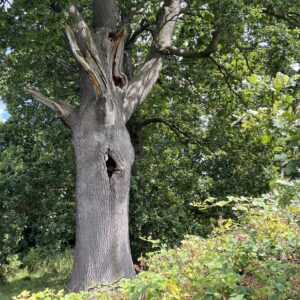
{"type": "Point", "coordinates": [111, 166]}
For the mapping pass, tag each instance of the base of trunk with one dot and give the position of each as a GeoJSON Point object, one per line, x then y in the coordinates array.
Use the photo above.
{"type": "Point", "coordinates": [102, 253]}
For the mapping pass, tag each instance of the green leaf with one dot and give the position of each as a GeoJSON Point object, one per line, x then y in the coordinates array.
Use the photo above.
{"type": "Point", "coordinates": [292, 168]}
{"type": "Point", "coordinates": [253, 78]}
{"type": "Point", "coordinates": [265, 139]}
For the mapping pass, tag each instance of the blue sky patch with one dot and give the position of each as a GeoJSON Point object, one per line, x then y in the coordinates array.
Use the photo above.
{"type": "Point", "coordinates": [4, 115]}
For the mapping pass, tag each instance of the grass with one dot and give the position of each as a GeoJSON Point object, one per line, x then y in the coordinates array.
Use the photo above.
{"type": "Point", "coordinates": [33, 283]}
{"type": "Point", "coordinates": [41, 272]}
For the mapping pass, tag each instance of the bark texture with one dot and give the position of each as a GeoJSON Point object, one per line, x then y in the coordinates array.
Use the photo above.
{"type": "Point", "coordinates": [104, 153]}
{"type": "Point", "coordinates": [104, 156]}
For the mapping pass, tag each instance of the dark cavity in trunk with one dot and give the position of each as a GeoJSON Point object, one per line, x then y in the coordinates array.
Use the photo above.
{"type": "Point", "coordinates": [111, 166]}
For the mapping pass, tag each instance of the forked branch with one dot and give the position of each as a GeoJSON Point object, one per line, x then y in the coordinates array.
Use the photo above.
{"type": "Point", "coordinates": [186, 137]}
{"type": "Point", "coordinates": [140, 86]}
{"type": "Point", "coordinates": [143, 27]}
{"type": "Point", "coordinates": [210, 49]}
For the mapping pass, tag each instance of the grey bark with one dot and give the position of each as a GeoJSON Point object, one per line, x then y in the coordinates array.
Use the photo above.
{"type": "Point", "coordinates": [105, 14]}
{"type": "Point", "coordinates": [104, 156]}
{"type": "Point", "coordinates": [104, 153]}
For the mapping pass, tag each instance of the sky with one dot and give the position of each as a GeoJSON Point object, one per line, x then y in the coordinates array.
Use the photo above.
{"type": "Point", "coordinates": [4, 115]}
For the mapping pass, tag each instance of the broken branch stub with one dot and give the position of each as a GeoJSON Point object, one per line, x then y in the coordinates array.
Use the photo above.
{"type": "Point", "coordinates": [85, 51]}
{"type": "Point", "coordinates": [62, 109]}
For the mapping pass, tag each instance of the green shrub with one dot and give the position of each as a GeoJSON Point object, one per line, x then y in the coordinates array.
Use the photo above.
{"type": "Point", "coordinates": [255, 258]}
{"type": "Point", "coordinates": [11, 267]}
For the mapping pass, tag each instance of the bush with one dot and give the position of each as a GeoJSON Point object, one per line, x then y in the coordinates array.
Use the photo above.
{"type": "Point", "coordinates": [255, 258]}
{"type": "Point", "coordinates": [12, 265]}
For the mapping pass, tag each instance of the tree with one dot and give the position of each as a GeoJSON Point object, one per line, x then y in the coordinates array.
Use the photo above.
{"type": "Point", "coordinates": [110, 95]}
{"type": "Point", "coordinates": [103, 149]}
{"type": "Point", "coordinates": [104, 153]}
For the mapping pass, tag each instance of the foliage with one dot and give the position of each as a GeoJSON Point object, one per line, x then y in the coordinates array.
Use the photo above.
{"type": "Point", "coordinates": [42, 214]}
{"type": "Point", "coordinates": [48, 261]}
{"type": "Point", "coordinates": [278, 122]}
{"type": "Point", "coordinates": [211, 155]}
{"type": "Point", "coordinates": [254, 258]}
{"type": "Point", "coordinates": [12, 265]}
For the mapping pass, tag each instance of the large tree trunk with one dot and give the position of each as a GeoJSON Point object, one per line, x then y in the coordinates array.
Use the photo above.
{"type": "Point", "coordinates": [104, 156]}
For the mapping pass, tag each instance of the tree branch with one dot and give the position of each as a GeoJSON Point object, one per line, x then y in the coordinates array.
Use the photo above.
{"type": "Point", "coordinates": [245, 57]}
{"type": "Point", "coordinates": [290, 17]}
{"type": "Point", "coordinates": [140, 86]}
{"type": "Point", "coordinates": [226, 74]}
{"type": "Point", "coordinates": [210, 49]}
{"type": "Point", "coordinates": [62, 109]}
{"type": "Point", "coordinates": [224, 70]}
{"type": "Point", "coordinates": [143, 27]}
{"type": "Point", "coordinates": [179, 133]}
{"type": "Point", "coordinates": [85, 51]}
{"type": "Point", "coordinates": [173, 127]}
{"type": "Point", "coordinates": [143, 82]}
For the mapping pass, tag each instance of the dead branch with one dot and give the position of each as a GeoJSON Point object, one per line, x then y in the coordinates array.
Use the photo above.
{"type": "Point", "coordinates": [86, 53]}
{"type": "Point", "coordinates": [62, 109]}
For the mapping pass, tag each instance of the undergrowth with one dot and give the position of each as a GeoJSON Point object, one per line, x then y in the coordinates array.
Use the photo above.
{"type": "Point", "coordinates": [257, 257]}
{"type": "Point", "coordinates": [40, 269]}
